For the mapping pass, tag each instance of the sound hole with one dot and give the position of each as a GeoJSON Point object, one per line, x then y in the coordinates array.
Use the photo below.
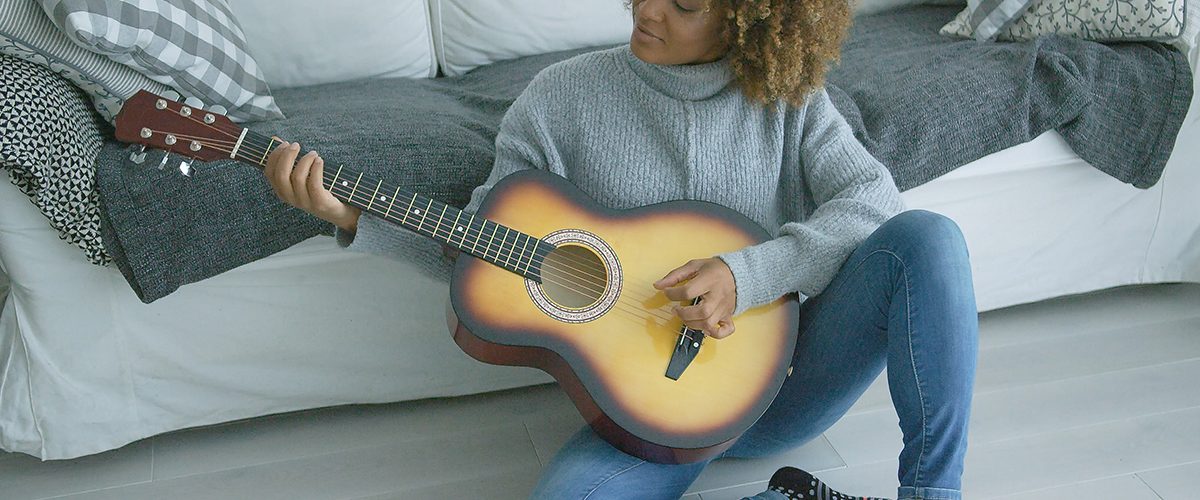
{"type": "Point", "coordinates": [573, 276]}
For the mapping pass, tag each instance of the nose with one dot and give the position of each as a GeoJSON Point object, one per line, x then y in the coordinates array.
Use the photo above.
{"type": "Point", "coordinates": [650, 10]}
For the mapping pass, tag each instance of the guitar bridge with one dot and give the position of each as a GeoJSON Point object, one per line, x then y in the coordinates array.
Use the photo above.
{"type": "Point", "coordinates": [685, 351]}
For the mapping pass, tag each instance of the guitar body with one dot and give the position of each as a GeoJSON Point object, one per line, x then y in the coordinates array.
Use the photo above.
{"type": "Point", "coordinates": [610, 353]}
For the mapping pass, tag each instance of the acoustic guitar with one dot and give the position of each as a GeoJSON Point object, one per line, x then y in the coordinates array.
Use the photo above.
{"type": "Point", "coordinates": [555, 281]}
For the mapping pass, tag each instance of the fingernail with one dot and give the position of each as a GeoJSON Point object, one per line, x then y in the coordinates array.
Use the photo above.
{"type": "Point", "coordinates": [295, 145]}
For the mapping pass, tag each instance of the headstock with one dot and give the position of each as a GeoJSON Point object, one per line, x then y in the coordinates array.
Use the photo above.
{"type": "Point", "coordinates": [160, 123]}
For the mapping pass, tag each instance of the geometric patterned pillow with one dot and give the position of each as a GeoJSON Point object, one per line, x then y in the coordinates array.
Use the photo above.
{"type": "Point", "coordinates": [26, 32]}
{"type": "Point", "coordinates": [51, 139]}
{"type": "Point", "coordinates": [195, 46]}
{"type": "Point", "coordinates": [1098, 20]}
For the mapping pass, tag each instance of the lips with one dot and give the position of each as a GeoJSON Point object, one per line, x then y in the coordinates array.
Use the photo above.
{"type": "Point", "coordinates": [649, 33]}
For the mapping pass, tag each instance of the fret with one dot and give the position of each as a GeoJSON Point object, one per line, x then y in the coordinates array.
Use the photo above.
{"type": "Point", "coordinates": [441, 220]}
{"type": "Point", "coordinates": [388, 214]}
{"type": "Point", "coordinates": [335, 177]}
{"type": "Point", "coordinates": [523, 253]}
{"type": "Point", "coordinates": [409, 210]}
{"type": "Point", "coordinates": [354, 188]}
{"type": "Point", "coordinates": [263, 160]}
{"type": "Point", "coordinates": [424, 215]}
{"type": "Point", "coordinates": [492, 239]}
{"type": "Point", "coordinates": [476, 243]}
{"type": "Point", "coordinates": [373, 195]}
{"type": "Point", "coordinates": [537, 246]}
{"type": "Point", "coordinates": [450, 239]}
{"type": "Point", "coordinates": [503, 241]}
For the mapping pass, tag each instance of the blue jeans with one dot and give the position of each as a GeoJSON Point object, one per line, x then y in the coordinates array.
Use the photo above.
{"type": "Point", "coordinates": [903, 299]}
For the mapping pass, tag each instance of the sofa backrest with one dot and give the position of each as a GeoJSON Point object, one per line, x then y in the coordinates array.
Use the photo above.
{"type": "Point", "coordinates": [308, 42]}
{"type": "Point", "coordinates": [471, 33]}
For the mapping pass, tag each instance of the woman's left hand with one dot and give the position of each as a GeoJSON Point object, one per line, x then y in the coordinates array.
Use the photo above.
{"type": "Point", "coordinates": [712, 281]}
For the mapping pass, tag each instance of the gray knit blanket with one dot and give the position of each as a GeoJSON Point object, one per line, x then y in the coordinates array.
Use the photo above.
{"type": "Point", "coordinates": [922, 103]}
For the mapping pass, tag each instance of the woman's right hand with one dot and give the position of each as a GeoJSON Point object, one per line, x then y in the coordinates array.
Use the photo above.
{"type": "Point", "coordinates": [298, 183]}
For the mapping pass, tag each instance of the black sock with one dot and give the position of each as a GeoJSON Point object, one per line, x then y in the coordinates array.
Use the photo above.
{"type": "Point", "coordinates": [800, 485]}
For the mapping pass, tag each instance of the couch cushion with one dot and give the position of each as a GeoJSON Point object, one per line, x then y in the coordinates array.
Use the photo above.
{"type": "Point", "coordinates": [310, 42]}
{"type": "Point", "coordinates": [470, 33]}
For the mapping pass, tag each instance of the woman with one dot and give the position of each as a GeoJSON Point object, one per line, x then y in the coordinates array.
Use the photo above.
{"type": "Point", "coordinates": [722, 100]}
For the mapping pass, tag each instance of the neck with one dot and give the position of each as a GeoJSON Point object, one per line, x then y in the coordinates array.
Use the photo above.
{"type": "Point", "coordinates": [510, 249]}
{"type": "Point", "coordinates": [687, 82]}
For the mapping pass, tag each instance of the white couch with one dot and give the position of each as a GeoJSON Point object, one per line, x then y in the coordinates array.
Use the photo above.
{"type": "Point", "coordinates": [86, 367]}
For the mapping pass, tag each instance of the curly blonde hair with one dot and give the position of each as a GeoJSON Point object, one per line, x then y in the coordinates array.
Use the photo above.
{"type": "Point", "coordinates": [781, 49]}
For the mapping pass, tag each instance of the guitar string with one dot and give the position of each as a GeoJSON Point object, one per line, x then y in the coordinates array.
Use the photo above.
{"type": "Point", "coordinates": [262, 150]}
{"type": "Point", "coordinates": [576, 260]}
{"type": "Point", "coordinates": [571, 285]}
{"type": "Point", "coordinates": [258, 150]}
{"type": "Point", "coordinates": [601, 283]}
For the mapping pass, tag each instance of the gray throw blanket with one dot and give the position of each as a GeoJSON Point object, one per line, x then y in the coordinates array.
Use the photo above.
{"type": "Point", "coordinates": [922, 103]}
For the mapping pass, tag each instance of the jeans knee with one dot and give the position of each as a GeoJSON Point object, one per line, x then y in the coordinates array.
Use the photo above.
{"type": "Point", "coordinates": [931, 235]}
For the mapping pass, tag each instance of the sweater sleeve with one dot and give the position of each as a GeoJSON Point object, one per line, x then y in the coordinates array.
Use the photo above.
{"type": "Point", "coordinates": [853, 194]}
{"type": "Point", "coordinates": [519, 143]}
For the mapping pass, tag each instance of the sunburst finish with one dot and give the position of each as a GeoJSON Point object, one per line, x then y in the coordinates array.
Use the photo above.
{"type": "Point", "coordinates": [619, 359]}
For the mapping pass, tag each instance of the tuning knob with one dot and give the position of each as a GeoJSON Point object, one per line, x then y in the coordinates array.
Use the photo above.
{"type": "Point", "coordinates": [163, 163]}
{"type": "Point", "coordinates": [185, 167]}
{"type": "Point", "coordinates": [138, 156]}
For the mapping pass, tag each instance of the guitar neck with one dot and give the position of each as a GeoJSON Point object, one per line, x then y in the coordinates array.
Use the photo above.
{"type": "Point", "coordinates": [498, 244]}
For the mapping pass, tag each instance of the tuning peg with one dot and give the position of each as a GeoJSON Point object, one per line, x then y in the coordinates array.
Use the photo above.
{"type": "Point", "coordinates": [172, 95]}
{"type": "Point", "coordinates": [194, 102]}
{"type": "Point", "coordinates": [163, 164]}
{"type": "Point", "coordinates": [138, 156]}
{"type": "Point", "coordinates": [185, 167]}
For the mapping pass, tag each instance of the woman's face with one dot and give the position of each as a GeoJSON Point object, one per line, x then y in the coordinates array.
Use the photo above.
{"type": "Point", "coordinates": [676, 32]}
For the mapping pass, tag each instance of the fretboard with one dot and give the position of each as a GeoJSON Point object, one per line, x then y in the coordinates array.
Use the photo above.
{"type": "Point", "coordinates": [508, 248]}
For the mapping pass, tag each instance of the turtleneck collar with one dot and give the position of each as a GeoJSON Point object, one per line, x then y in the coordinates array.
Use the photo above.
{"type": "Point", "coordinates": [688, 82]}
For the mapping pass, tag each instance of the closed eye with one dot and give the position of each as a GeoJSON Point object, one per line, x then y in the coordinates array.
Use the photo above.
{"type": "Point", "coordinates": [682, 8]}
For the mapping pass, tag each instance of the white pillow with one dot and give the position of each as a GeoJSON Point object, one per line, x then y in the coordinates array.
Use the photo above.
{"type": "Point", "coordinates": [1098, 20]}
{"type": "Point", "coordinates": [308, 42]}
{"type": "Point", "coordinates": [868, 7]}
{"type": "Point", "coordinates": [470, 33]}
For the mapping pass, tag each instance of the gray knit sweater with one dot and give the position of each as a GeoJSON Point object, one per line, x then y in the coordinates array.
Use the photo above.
{"type": "Point", "coordinates": [629, 133]}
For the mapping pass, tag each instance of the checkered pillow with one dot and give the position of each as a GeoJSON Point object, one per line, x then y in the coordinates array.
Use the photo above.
{"type": "Point", "coordinates": [195, 46]}
{"type": "Point", "coordinates": [26, 33]}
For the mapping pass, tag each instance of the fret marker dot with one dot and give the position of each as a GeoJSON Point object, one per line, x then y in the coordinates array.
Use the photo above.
{"type": "Point", "coordinates": [383, 198]}
{"type": "Point", "coordinates": [460, 229]}
{"type": "Point", "coordinates": [417, 211]}
{"type": "Point", "coordinates": [344, 183]}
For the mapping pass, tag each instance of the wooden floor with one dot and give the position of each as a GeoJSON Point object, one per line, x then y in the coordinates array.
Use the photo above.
{"type": "Point", "coordinates": [1095, 396]}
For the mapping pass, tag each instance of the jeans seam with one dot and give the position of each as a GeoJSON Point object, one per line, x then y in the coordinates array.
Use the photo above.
{"type": "Point", "coordinates": [911, 355]}
{"type": "Point", "coordinates": [610, 477]}
{"type": "Point", "coordinates": [913, 359]}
